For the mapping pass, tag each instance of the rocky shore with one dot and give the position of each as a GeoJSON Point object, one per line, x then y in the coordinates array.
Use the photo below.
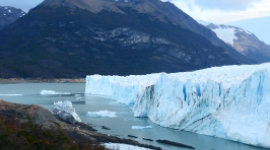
{"type": "Point", "coordinates": [44, 117]}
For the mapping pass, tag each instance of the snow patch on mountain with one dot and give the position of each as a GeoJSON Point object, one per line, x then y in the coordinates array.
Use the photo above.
{"type": "Point", "coordinates": [226, 34]}
{"type": "Point", "coordinates": [230, 102]}
{"type": "Point", "coordinates": [7, 11]}
{"type": "Point", "coordinates": [245, 42]}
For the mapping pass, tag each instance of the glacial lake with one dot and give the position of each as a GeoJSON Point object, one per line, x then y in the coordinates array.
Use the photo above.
{"type": "Point", "coordinates": [121, 126]}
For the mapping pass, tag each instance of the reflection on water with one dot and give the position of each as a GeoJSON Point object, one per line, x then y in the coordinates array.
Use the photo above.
{"type": "Point", "coordinates": [121, 125]}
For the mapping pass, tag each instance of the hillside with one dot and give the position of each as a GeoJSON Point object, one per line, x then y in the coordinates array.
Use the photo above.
{"type": "Point", "coordinates": [68, 38]}
{"type": "Point", "coordinates": [33, 127]}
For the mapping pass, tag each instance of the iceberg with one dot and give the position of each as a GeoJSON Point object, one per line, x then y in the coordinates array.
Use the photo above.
{"type": "Point", "coordinates": [102, 114]}
{"type": "Point", "coordinates": [230, 102]}
{"type": "Point", "coordinates": [65, 111]}
{"type": "Point", "coordinates": [117, 146]}
{"type": "Point", "coordinates": [50, 92]}
{"type": "Point", "coordinates": [140, 127]}
{"type": "Point", "coordinates": [10, 95]}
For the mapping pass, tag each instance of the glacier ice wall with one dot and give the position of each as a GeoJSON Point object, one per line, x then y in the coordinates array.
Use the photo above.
{"type": "Point", "coordinates": [230, 102]}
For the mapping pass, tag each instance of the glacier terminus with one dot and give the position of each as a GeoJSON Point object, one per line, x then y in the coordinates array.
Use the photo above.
{"type": "Point", "coordinates": [230, 102]}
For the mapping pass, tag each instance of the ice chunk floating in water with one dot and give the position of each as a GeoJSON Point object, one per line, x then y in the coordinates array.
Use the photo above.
{"type": "Point", "coordinates": [50, 92]}
{"type": "Point", "coordinates": [231, 102]}
{"type": "Point", "coordinates": [117, 146]}
{"type": "Point", "coordinates": [102, 114]}
{"type": "Point", "coordinates": [65, 111]}
{"type": "Point", "coordinates": [10, 95]}
{"type": "Point", "coordinates": [140, 127]}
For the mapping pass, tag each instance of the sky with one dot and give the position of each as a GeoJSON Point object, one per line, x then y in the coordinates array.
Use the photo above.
{"type": "Point", "coordinates": [251, 15]}
{"type": "Point", "coordinates": [22, 4]}
{"type": "Point", "coordinates": [224, 11]}
{"type": "Point", "coordinates": [215, 11]}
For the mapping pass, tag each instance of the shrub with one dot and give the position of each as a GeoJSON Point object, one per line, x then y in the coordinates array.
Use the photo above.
{"type": "Point", "coordinates": [31, 136]}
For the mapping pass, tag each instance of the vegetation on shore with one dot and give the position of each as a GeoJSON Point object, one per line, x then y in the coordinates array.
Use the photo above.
{"type": "Point", "coordinates": [31, 136]}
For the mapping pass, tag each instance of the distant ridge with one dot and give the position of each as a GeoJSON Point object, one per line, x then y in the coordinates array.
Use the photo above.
{"type": "Point", "coordinates": [8, 15]}
{"type": "Point", "coordinates": [245, 42]}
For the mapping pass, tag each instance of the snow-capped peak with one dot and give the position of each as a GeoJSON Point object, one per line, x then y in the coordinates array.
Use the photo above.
{"type": "Point", "coordinates": [245, 42]}
{"type": "Point", "coordinates": [225, 33]}
{"type": "Point", "coordinates": [11, 11]}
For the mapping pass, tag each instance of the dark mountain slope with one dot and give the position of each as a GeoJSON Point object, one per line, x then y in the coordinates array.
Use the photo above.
{"type": "Point", "coordinates": [8, 15]}
{"type": "Point", "coordinates": [62, 39]}
{"type": "Point", "coordinates": [180, 18]}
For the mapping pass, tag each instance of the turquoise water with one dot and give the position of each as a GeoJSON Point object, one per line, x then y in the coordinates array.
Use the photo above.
{"type": "Point", "coordinates": [121, 125]}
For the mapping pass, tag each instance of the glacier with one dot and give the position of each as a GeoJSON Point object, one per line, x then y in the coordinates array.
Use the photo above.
{"type": "Point", "coordinates": [230, 102]}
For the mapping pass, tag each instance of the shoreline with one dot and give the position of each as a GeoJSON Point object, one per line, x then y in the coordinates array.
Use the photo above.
{"type": "Point", "coordinates": [77, 131]}
{"type": "Point", "coordinates": [56, 80]}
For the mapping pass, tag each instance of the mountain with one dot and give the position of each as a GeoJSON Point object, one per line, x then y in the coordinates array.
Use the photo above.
{"type": "Point", "coordinates": [8, 15]}
{"type": "Point", "coordinates": [73, 38]}
{"type": "Point", "coordinates": [259, 26]}
{"type": "Point", "coordinates": [230, 102]}
{"type": "Point", "coordinates": [242, 40]}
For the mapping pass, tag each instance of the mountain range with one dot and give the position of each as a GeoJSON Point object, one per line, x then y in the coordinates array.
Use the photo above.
{"type": "Point", "coordinates": [8, 15]}
{"type": "Point", "coordinates": [259, 26]}
{"type": "Point", "coordinates": [74, 38]}
{"type": "Point", "coordinates": [245, 42]}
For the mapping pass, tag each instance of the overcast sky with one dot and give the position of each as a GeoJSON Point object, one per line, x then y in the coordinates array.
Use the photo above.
{"type": "Point", "coordinates": [216, 11]}
{"type": "Point", "coordinates": [22, 4]}
{"type": "Point", "coordinates": [224, 11]}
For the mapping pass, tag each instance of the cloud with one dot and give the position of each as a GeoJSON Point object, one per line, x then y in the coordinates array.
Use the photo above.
{"type": "Point", "coordinates": [226, 5]}
{"type": "Point", "coordinates": [259, 8]}
{"type": "Point", "coordinates": [22, 4]}
{"type": "Point", "coordinates": [216, 11]}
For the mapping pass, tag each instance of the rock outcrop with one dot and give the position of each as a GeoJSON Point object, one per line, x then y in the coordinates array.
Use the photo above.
{"type": "Point", "coordinates": [45, 118]}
